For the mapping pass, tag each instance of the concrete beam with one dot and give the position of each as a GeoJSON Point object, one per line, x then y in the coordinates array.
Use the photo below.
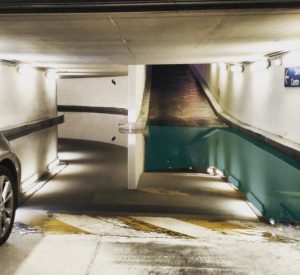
{"type": "Point", "coordinates": [78, 6]}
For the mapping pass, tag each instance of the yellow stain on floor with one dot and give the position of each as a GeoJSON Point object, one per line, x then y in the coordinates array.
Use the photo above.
{"type": "Point", "coordinates": [226, 227]}
{"type": "Point", "coordinates": [163, 191]}
{"type": "Point", "coordinates": [220, 226]}
{"type": "Point", "coordinates": [52, 225]}
{"type": "Point", "coordinates": [277, 238]}
{"type": "Point", "coordinates": [150, 228]}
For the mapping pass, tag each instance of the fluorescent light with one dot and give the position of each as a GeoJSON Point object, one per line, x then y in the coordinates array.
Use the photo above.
{"type": "Point", "coordinates": [261, 65]}
{"type": "Point", "coordinates": [52, 74]}
{"type": "Point", "coordinates": [25, 69]}
{"type": "Point", "coordinates": [211, 170]}
{"type": "Point", "coordinates": [214, 171]}
{"type": "Point", "coordinates": [278, 61]}
{"type": "Point", "coordinates": [223, 66]}
{"type": "Point", "coordinates": [237, 68]}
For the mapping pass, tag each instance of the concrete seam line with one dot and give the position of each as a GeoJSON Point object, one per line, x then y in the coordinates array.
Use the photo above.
{"type": "Point", "coordinates": [99, 243]}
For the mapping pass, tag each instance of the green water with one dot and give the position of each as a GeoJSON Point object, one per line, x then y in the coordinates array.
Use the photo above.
{"type": "Point", "coordinates": [268, 179]}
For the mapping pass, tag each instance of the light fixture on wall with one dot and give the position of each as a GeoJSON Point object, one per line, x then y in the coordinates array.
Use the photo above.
{"type": "Point", "coordinates": [237, 68]}
{"type": "Point", "coordinates": [52, 74]}
{"type": "Point", "coordinates": [223, 66]}
{"type": "Point", "coordinates": [25, 69]}
{"type": "Point", "coordinates": [260, 65]}
{"type": "Point", "coordinates": [278, 61]}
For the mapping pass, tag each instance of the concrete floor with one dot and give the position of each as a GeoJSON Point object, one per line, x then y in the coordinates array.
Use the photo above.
{"type": "Point", "coordinates": [69, 226]}
{"type": "Point", "coordinates": [87, 184]}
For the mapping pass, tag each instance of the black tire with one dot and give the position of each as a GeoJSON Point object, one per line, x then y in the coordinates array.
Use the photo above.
{"type": "Point", "coordinates": [6, 173]}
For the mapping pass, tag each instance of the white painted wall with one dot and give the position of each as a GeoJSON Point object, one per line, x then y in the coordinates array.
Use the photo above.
{"type": "Point", "coordinates": [99, 91]}
{"type": "Point", "coordinates": [136, 86]}
{"type": "Point", "coordinates": [36, 151]}
{"type": "Point", "coordinates": [258, 98]}
{"type": "Point", "coordinates": [136, 159]}
{"type": "Point", "coordinates": [27, 98]}
{"type": "Point", "coordinates": [93, 92]}
{"type": "Point", "coordinates": [93, 126]}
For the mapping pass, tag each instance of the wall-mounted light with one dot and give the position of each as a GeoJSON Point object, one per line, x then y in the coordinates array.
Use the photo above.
{"type": "Point", "coordinates": [260, 65]}
{"type": "Point", "coordinates": [25, 69]}
{"type": "Point", "coordinates": [223, 66]}
{"type": "Point", "coordinates": [214, 171]}
{"type": "Point", "coordinates": [278, 61]}
{"type": "Point", "coordinates": [52, 74]}
{"type": "Point", "coordinates": [237, 68]}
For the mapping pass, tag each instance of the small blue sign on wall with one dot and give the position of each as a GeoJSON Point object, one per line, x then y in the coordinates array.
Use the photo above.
{"type": "Point", "coordinates": [292, 76]}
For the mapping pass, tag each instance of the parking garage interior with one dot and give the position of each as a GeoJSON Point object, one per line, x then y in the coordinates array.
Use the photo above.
{"type": "Point", "coordinates": [154, 137]}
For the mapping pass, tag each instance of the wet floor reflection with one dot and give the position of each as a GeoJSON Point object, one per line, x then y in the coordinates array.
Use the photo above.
{"type": "Point", "coordinates": [268, 179]}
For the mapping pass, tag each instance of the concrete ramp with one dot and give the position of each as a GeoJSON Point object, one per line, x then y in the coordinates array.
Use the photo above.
{"type": "Point", "coordinates": [176, 99]}
{"type": "Point", "coordinates": [207, 196]}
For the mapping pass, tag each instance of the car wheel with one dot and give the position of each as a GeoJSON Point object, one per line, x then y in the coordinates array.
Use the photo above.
{"type": "Point", "coordinates": [8, 202]}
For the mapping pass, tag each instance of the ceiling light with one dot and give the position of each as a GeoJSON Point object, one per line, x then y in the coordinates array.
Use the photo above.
{"type": "Point", "coordinates": [261, 65]}
{"type": "Point", "coordinates": [278, 61]}
{"type": "Point", "coordinates": [25, 69]}
{"type": "Point", "coordinates": [223, 66]}
{"type": "Point", "coordinates": [237, 68]}
{"type": "Point", "coordinates": [51, 74]}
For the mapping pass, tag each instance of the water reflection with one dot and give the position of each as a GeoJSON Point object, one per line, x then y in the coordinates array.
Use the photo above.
{"type": "Point", "coordinates": [268, 179]}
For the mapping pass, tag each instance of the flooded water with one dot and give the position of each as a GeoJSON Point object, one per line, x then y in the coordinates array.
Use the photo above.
{"type": "Point", "coordinates": [268, 179]}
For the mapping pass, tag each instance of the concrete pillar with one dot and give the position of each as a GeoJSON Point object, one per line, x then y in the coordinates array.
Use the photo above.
{"type": "Point", "coordinates": [136, 143]}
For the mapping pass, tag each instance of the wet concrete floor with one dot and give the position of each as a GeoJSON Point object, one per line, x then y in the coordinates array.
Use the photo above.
{"type": "Point", "coordinates": [69, 226]}
{"type": "Point", "coordinates": [88, 184]}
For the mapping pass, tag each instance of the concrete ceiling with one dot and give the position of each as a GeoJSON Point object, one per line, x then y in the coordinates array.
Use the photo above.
{"type": "Point", "coordinates": [108, 41]}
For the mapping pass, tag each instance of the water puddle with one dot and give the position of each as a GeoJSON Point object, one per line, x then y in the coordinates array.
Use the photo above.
{"type": "Point", "coordinates": [267, 178]}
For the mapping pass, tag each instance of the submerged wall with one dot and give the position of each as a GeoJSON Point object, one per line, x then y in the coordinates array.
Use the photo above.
{"type": "Point", "coordinates": [257, 97]}
{"type": "Point", "coordinates": [103, 105]}
{"type": "Point", "coordinates": [25, 98]}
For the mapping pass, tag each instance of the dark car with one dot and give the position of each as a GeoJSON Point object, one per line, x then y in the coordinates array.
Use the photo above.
{"type": "Point", "coordinates": [10, 171]}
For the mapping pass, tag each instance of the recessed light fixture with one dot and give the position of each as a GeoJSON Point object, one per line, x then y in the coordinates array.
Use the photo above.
{"type": "Point", "coordinates": [223, 66]}
{"type": "Point", "coordinates": [52, 74]}
{"type": "Point", "coordinates": [25, 69]}
{"type": "Point", "coordinates": [237, 68]}
{"type": "Point", "coordinates": [278, 61]}
{"type": "Point", "coordinates": [261, 65]}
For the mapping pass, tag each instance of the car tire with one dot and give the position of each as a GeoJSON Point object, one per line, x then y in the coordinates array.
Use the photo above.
{"type": "Point", "coordinates": [8, 203]}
